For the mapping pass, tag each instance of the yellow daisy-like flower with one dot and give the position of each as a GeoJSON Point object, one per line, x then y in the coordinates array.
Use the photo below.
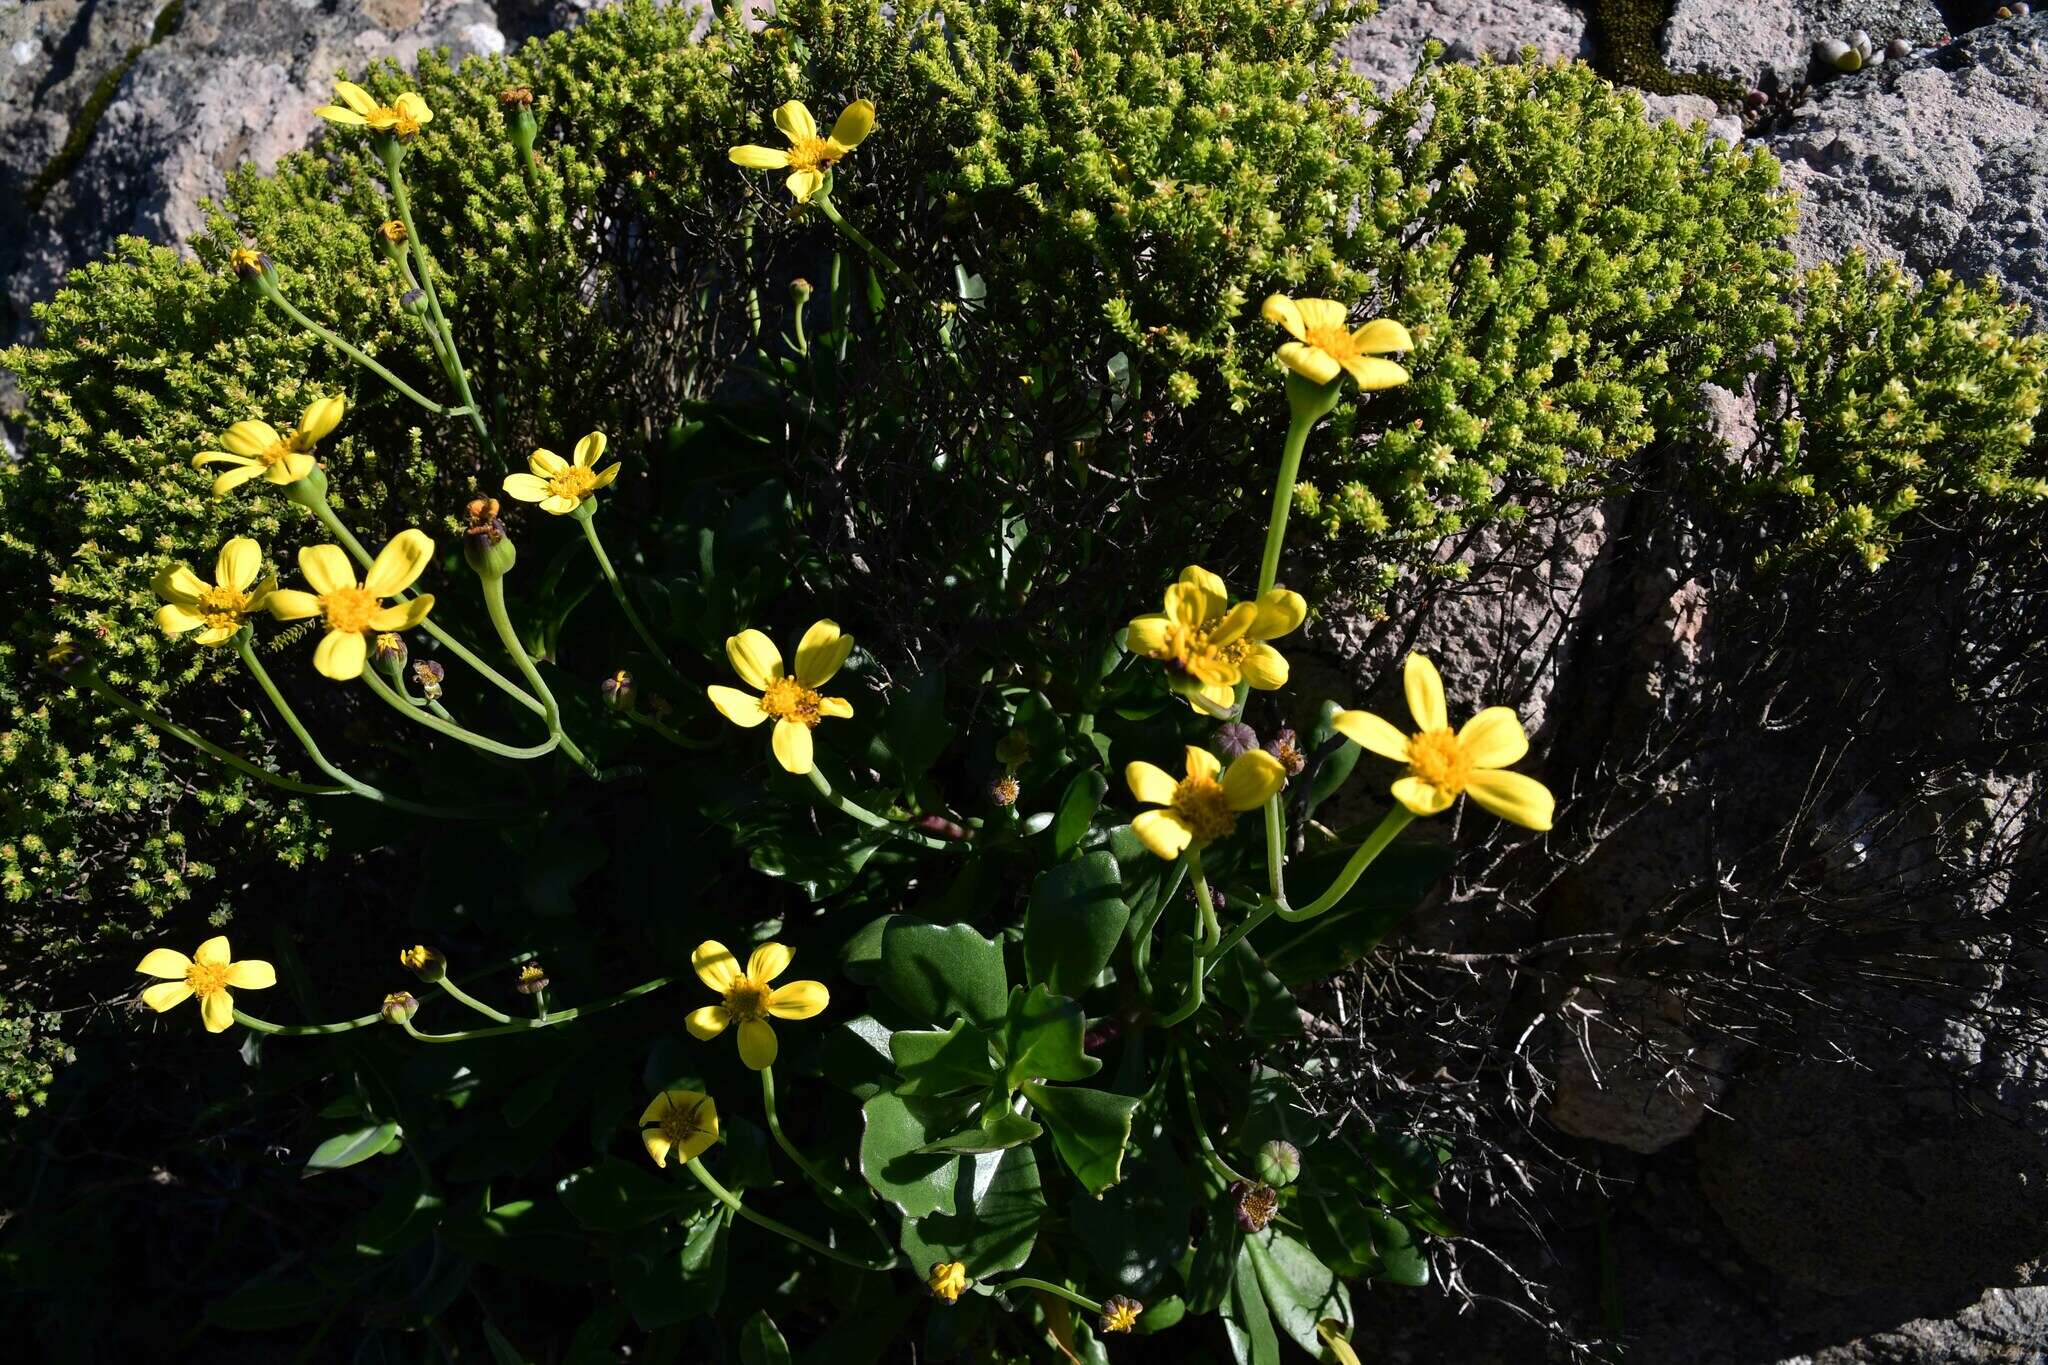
{"type": "Point", "coordinates": [749, 999]}
{"type": "Point", "coordinates": [355, 611]}
{"type": "Point", "coordinates": [217, 609]}
{"type": "Point", "coordinates": [1199, 808]}
{"type": "Point", "coordinates": [948, 1281]}
{"type": "Point", "coordinates": [207, 974]}
{"type": "Point", "coordinates": [1444, 763]}
{"type": "Point", "coordinates": [679, 1123]}
{"type": "Point", "coordinates": [1210, 646]}
{"type": "Point", "coordinates": [256, 447]}
{"type": "Point", "coordinates": [793, 703]}
{"type": "Point", "coordinates": [1324, 345]}
{"type": "Point", "coordinates": [809, 156]}
{"type": "Point", "coordinates": [404, 116]}
{"type": "Point", "coordinates": [561, 486]}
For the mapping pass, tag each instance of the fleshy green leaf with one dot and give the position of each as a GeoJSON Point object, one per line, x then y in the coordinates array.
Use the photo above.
{"type": "Point", "coordinates": [1299, 1289]}
{"type": "Point", "coordinates": [1076, 810]}
{"type": "Point", "coordinates": [1246, 1321]}
{"type": "Point", "coordinates": [761, 1342]}
{"type": "Point", "coordinates": [995, 1228]}
{"type": "Point", "coordinates": [615, 1195]}
{"type": "Point", "coordinates": [915, 1181]}
{"type": "Point", "coordinates": [1043, 1039]}
{"type": "Point", "coordinates": [1073, 923]}
{"type": "Point", "coordinates": [996, 1130]}
{"type": "Point", "coordinates": [1089, 1129]}
{"type": "Point", "coordinates": [934, 1061]}
{"type": "Point", "coordinates": [940, 972]}
{"type": "Point", "coordinates": [348, 1149]}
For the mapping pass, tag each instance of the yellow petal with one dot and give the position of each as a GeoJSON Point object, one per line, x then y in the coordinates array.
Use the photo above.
{"type": "Point", "coordinates": [1494, 738]}
{"type": "Point", "coordinates": [207, 457]}
{"type": "Point", "coordinates": [1321, 314]}
{"type": "Point", "coordinates": [839, 708]}
{"type": "Point", "coordinates": [545, 462]}
{"type": "Point", "coordinates": [1514, 798]}
{"type": "Point", "coordinates": [759, 158]}
{"type": "Point", "coordinates": [757, 1044]}
{"type": "Point", "coordinates": [1216, 700]}
{"type": "Point", "coordinates": [1425, 688]}
{"type": "Point", "coordinates": [1420, 797]}
{"type": "Point", "coordinates": [741, 708]}
{"type": "Point", "coordinates": [526, 487]}
{"type": "Point", "coordinates": [1150, 783]}
{"type": "Point", "coordinates": [290, 469]}
{"type": "Point", "coordinates": [1189, 605]}
{"type": "Point", "coordinates": [167, 963]}
{"type": "Point", "coordinates": [217, 1011]}
{"type": "Point", "coordinates": [166, 995]}
{"type": "Point", "coordinates": [1165, 833]}
{"type": "Point", "coordinates": [250, 438]}
{"type": "Point", "coordinates": [696, 1144]}
{"type": "Point", "coordinates": [214, 952]}
{"type": "Point", "coordinates": [755, 658]}
{"type": "Point", "coordinates": [335, 113]}
{"type": "Point", "coordinates": [1210, 583]}
{"type": "Point", "coordinates": [768, 961]}
{"type": "Point", "coordinates": [174, 619]}
{"type": "Point", "coordinates": [792, 744]}
{"type": "Point", "coordinates": [1202, 763]}
{"type": "Point", "coordinates": [235, 478]}
{"type": "Point", "coordinates": [340, 655]}
{"type": "Point", "coordinates": [1382, 335]}
{"type": "Point", "coordinates": [559, 507]}
{"type": "Point", "coordinates": [715, 965]}
{"type": "Point", "coordinates": [1264, 667]}
{"type": "Point", "coordinates": [1371, 373]}
{"type": "Point", "coordinates": [1234, 623]}
{"type": "Point", "coordinates": [590, 450]}
{"type": "Point", "coordinates": [707, 1023]}
{"type": "Point", "coordinates": [1281, 612]}
{"type": "Point", "coordinates": [606, 477]}
{"type": "Point", "coordinates": [414, 108]}
{"type": "Point", "coordinates": [326, 568]}
{"type": "Point", "coordinates": [795, 121]}
{"type": "Point", "coordinates": [803, 184]}
{"type": "Point", "coordinates": [238, 564]}
{"type": "Point", "coordinates": [403, 615]}
{"type": "Point", "coordinates": [854, 123]}
{"type": "Point", "coordinates": [1372, 734]}
{"type": "Point", "coordinates": [321, 416]}
{"type": "Point", "coordinates": [354, 96]}
{"type": "Point", "coordinates": [1254, 775]}
{"type": "Point", "coordinates": [820, 653]}
{"type": "Point", "coordinates": [289, 604]}
{"type": "Point", "coordinates": [1282, 311]}
{"type": "Point", "coordinates": [1146, 635]}
{"type": "Point", "coordinates": [180, 584]}
{"type": "Point", "coordinates": [799, 1000]}
{"type": "Point", "coordinates": [216, 635]}
{"type": "Point", "coordinates": [1312, 363]}
{"type": "Point", "coordinates": [399, 564]}
{"type": "Point", "coordinates": [251, 975]}
{"type": "Point", "coordinates": [657, 1144]}
{"type": "Point", "coordinates": [666, 1103]}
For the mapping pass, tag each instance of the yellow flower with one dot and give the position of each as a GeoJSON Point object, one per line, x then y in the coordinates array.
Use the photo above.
{"type": "Point", "coordinates": [1210, 646]}
{"type": "Point", "coordinates": [359, 109]}
{"type": "Point", "coordinates": [207, 974]}
{"type": "Point", "coordinates": [679, 1123]}
{"type": "Point", "coordinates": [809, 156]}
{"type": "Point", "coordinates": [216, 610]}
{"type": "Point", "coordinates": [948, 1281]}
{"type": "Point", "coordinates": [793, 703]}
{"type": "Point", "coordinates": [355, 611]}
{"type": "Point", "coordinates": [1324, 344]}
{"type": "Point", "coordinates": [1445, 763]}
{"type": "Point", "coordinates": [1120, 1313]}
{"type": "Point", "coordinates": [428, 964]}
{"type": "Point", "coordinates": [560, 485]}
{"type": "Point", "coordinates": [255, 447]}
{"type": "Point", "coordinates": [1199, 809]}
{"type": "Point", "coordinates": [749, 999]}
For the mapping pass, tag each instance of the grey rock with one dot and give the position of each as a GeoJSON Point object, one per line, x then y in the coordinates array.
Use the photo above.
{"type": "Point", "coordinates": [1388, 46]}
{"type": "Point", "coordinates": [1938, 160]}
{"type": "Point", "coordinates": [2005, 1327]}
{"type": "Point", "coordinates": [1768, 43]}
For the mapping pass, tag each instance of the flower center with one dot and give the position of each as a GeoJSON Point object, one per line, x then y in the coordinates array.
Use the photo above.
{"type": "Point", "coordinates": [574, 483]}
{"type": "Point", "coordinates": [402, 123]}
{"type": "Point", "coordinates": [813, 154]}
{"type": "Point", "coordinates": [349, 609]}
{"type": "Point", "coordinates": [1334, 342]}
{"type": "Point", "coordinates": [746, 1001]}
{"type": "Point", "coordinates": [681, 1125]}
{"type": "Point", "coordinates": [1438, 759]}
{"type": "Point", "coordinates": [1199, 801]}
{"type": "Point", "coordinates": [788, 699]}
{"type": "Point", "coordinates": [274, 453]}
{"type": "Point", "coordinates": [219, 606]}
{"type": "Point", "coordinates": [1188, 649]}
{"type": "Point", "coordinates": [207, 978]}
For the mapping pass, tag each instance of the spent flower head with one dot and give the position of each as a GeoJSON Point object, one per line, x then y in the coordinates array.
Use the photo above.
{"type": "Point", "coordinates": [1120, 1313]}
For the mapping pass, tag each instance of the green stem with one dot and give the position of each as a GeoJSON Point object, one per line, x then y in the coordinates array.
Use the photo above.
{"type": "Point", "coordinates": [1207, 1148]}
{"type": "Point", "coordinates": [250, 1021]}
{"type": "Point", "coordinates": [361, 357]}
{"type": "Point", "coordinates": [587, 515]}
{"type": "Point", "coordinates": [1205, 938]}
{"type": "Point", "coordinates": [544, 1021]}
{"type": "Point", "coordinates": [818, 1178]}
{"type": "Point", "coordinates": [1306, 404]}
{"type": "Point", "coordinates": [732, 1201]}
{"type": "Point", "coordinates": [1276, 849]}
{"type": "Point", "coordinates": [463, 997]}
{"type": "Point", "coordinates": [205, 745]}
{"type": "Point", "coordinates": [1026, 1282]}
{"type": "Point", "coordinates": [823, 200]}
{"type": "Point", "coordinates": [454, 731]}
{"type": "Point", "coordinates": [681, 741]}
{"type": "Point", "coordinates": [1391, 824]}
{"type": "Point", "coordinates": [1141, 931]}
{"type": "Point", "coordinates": [402, 198]}
{"type": "Point", "coordinates": [354, 784]}
{"type": "Point", "coordinates": [868, 817]}
{"type": "Point", "coordinates": [501, 620]}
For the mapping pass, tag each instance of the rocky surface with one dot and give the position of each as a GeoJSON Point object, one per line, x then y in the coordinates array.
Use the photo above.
{"type": "Point", "coordinates": [1768, 44]}
{"type": "Point", "coordinates": [1388, 46]}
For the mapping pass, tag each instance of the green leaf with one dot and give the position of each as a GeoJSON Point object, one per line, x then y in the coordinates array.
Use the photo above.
{"type": "Point", "coordinates": [1394, 885]}
{"type": "Point", "coordinates": [1241, 983]}
{"type": "Point", "coordinates": [1401, 1257]}
{"type": "Point", "coordinates": [935, 1062]}
{"type": "Point", "coordinates": [997, 1130]}
{"type": "Point", "coordinates": [269, 1307]}
{"type": "Point", "coordinates": [1076, 810]}
{"type": "Point", "coordinates": [1089, 1130]}
{"type": "Point", "coordinates": [1164, 1313]}
{"type": "Point", "coordinates": [1299, 1289]}
{"type": "Point", "coordinates": [940, 972]}
{"type": "Point", "coordinates": [761, 1342]}
{"type": "Point", "coordinates": [818, 865]}
{"type": "Point", "coordinates": [917, 728]}
{"type": "Point", "coordinates": [1073, 923]}
{"type": "Point", "coordinates": [861, 958]}
{"type": "Point", "coordinates": [1335, 769]}
{"type": "Point", "coordinates": [666, 1284]}
{"type": "Point", "coordinates": [1246, 1321]}
{"type": "Point", "coordinates": [854, 1055]}
{"type": "Point", "coordinates": [615, 1196]}
{"type": "Point", "coordinates": [897, 1127]}
{"type": "Point", "coordinates": [994, 1230]}
{"type": "Point", "coordinates": [1043, 1039]}
{"type": "Point", "coordinates": [1137, 1230]}
{"type": "Point", "coordinates": [348, 1149]}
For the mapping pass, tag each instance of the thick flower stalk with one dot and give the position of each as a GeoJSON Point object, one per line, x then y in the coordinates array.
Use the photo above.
{"type": "Point", "coordinates": [211, 613]}
{"type": "Point", "coordinates": [809, 157]}
{"type": "Point", "coordinates": [207, 974]}
{"type": "Point", "coordinates": [563, 486]}
{"type": "Point", "coordinates": [355, 611]}
{"type": "Point", "coordinates": [1203, 806]}
{"type": "Point", "coordinates": [255, 448]}
{"type": "Point", "coordinates": [792, 701]}
{"type": "Point", "coordinates": [1210, 646]}
{"type": "Point", "coordinates": [404, 116]}
{"type": "Point", "coordinates": [1444, 764]}
{"type": "Point", "coordinates": [748, 998]}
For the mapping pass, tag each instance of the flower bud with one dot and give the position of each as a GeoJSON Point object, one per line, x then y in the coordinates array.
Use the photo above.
{"type": "Point", "coordinates": [517, 102]}
{"type": "Point", "coordinates": [532, 979]}
{"type": "Point", "coordinates": [1254, 1204]}
{"type": "Point", "coordinates": [1278, 1162]}
{"type": "Point", "coordinates": [800, 291]}
{"type": "Point", "coordinates": [617, 691]}
{"type": "Point", "coordinates": [389, 654]}
{"type": "Point", "coordinates": [484, 543]}
{"type": "Point", "coordinates": [391, 237]}
{"type": "Point", "coordinates": [428, 675]}
{"type": "Point", "coordinates": [1004, 790]}
{"type": "Point", "coordinates": [251, 265]}
{"type": "Point", "coordinates": [424, 962]}
{"type": "Point", "coordinates": [1120, 1313]}
{"type": "Point", "coordinates": [1234, 738]}
{"type": "Point", "coordinates": [414, 301]}
{"type": "Point", "coordinates": [947, 1281]}
{"type": "Point", "coordinates": [399, 1007]}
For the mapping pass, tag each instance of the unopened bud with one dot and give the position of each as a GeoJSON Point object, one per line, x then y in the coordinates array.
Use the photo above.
{"type": "Point", "coordinates": [414, 301]}
{"type": "Point", "coordinates": [617, 691]}
{"type": "Point", "coordinates": [800, 290]}
{"type": "Point", "coordinates": [1234, 738]}
{"type": "Point", "coordinates": [390, 652]}
{"type": "Point", "coordinates": [947, 1281]}
{"type": "Point", "coordinates": [940, 827]}
{"type": "Point", "coordinates": [67, 659]}
{"type": "Point", "coordinates": [399, 1007]}
{"type": "Point", "coordinates": [428, 675]}
{"type": "Point", "coordinates": [424, 963]}
{"type": "Point", "coordinates": [250, 264]}
{"type": "Point", "coordinates": [1014, 749]}
{"type": "Point", "coordinates": [1279, 1162]}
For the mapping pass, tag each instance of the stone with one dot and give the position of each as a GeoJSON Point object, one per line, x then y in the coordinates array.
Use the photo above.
{"type": "Point", "coordinates": [1388, 47]}
{"type": "Point", "coordinates": [1938, 161]}
{"type": "Point", "coordinates": [1768, 44]}
{"type": "Point", "coordinates": [2005, 1327]}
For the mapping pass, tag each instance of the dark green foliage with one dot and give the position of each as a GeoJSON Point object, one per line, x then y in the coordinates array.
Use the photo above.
{"type": "Point", "coordinates": [1625, 51]}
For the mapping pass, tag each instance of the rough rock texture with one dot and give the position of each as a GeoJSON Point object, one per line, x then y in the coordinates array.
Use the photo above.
{"type": "Point", "coordinates": [1939, 160]}
{"type": "Point", "coordinates": [1387, 46]}
{"type": "Point", "coordinates": [1768, 44]}
{"type": "Point", "coordinates": [2005, 1327]}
